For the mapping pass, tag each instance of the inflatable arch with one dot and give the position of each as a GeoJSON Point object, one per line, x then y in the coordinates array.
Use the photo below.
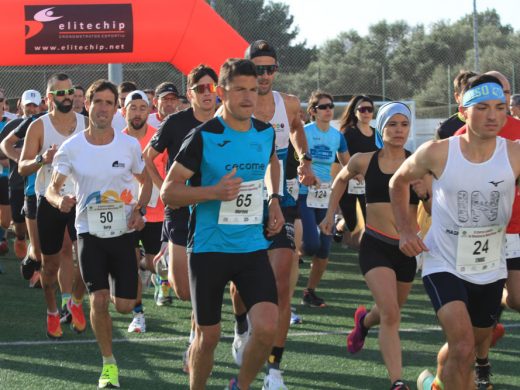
{"type": "Point", "coordinates": [182, 32]}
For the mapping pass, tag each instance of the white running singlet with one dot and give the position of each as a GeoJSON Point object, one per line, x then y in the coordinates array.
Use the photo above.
{"type": "Point", "coordinates": [51, 136]}
{"type": "Point", "coordinates": [471, 207]}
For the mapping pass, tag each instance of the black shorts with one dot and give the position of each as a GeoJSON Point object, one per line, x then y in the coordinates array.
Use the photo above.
{"type": "Point", "coordinates": [16, 199]}
{"type": "Point", "coordinates": [210, 272]}
{"type": "Point", "coordinates": [30, 207]}
{"type": "Point", "coordinates": [4, 190]}
{"type": "Point", "coordinates": [175, 226]}
{"type": "Point", "coordinates": [377, 250]}
{"type": "Point", "coordinates": [51, 224]}
{"type": "Point", "coordinates": [285, 239]}
{"type": "Point", "coordinates": [104, 258]}
{"type": "Point", "coordinates": [513, 264]}
{"type": "Point", "coordinates": [482, 300]}
{"type": "Point", "coordinates": [150, 237]}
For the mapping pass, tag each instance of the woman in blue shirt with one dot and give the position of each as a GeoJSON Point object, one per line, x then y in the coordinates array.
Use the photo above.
{"type": "Point", "coordinates": [325, 143]}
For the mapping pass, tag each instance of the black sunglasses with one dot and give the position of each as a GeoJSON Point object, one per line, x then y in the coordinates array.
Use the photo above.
{"type": "Point", "coordinates": [324, 106]}
{"type": "Point", "coordinates": [63, 92]}
{"type": "Point", "coordinates": [2, 100]}
{"type": "Point", "coordinates": [269, 69]}
{"type": "Point", "coordinates": [366, 109]}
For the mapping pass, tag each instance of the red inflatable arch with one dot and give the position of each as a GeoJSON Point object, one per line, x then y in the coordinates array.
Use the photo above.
{"type": "Point", "coordinates": [182, 32]}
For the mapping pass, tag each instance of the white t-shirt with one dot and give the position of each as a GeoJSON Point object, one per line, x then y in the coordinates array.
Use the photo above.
{"type": "Point", "coordinates": [153, 120]}
{"type": "Point", "coordinates": [102, 173]}
{"type": "Point", "coordinates": [118, 121]}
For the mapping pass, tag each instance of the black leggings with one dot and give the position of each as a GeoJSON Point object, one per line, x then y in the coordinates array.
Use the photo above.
{"type": "Point", "coordinates": [347, 203]}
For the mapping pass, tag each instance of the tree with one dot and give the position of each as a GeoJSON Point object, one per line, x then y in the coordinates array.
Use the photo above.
{"type": "Point", "coordinates": [272, 22]}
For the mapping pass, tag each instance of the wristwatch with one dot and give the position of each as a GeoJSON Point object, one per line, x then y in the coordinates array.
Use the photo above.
{"type": "Point", "coordinates": [39, 159]}
{"type": "Point", "coordinates": [141, 209]}
{"type": "Point", "coordinates": [306, 157]}
{"type": "Point", "coordinates": [274, 196]}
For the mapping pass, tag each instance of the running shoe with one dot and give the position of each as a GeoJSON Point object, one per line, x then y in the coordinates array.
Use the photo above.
{"type": "Point", "coordinates": [356, 338]}
{"type": "Point", "coordinates": [311, 299]}
{"type": "Point", "coordinates": [35, 281]}
{"type": "Point", "coordinates": [295, 319]}
{"type": "Point", "coordinates": [20, 248]}
{"type": "Point", "coordinates": [425, 380]}
{"type": "Point", "coordinates": [498, 333]}
{"type": "Point", "coordinates": [28, 266]}
{"type": "Point", "coordinates": [138, 324]}
{"type": "Point", "coordinates": [54, 331]}
{"type": "Point", "coordinates": [109, 378]}
{"type": "Point", "coordinates": [274, 380]}
{"type": "Point", "coordinates": [399, 385]}
{"type": "Point", "coordinates": [482, 374]}
{"type": "Point", "coordinates": [78, 322]}
{"type": "Point", "coordinates": [65, 316]}
{"type": "Point", "coordinates": [238, 346]}
{"type": "Point", "coordinates": [233, 385]}
{"type": "Point", "coordinates": [4, 247]}
{"type": "Point", "coordinates": [164, 296]}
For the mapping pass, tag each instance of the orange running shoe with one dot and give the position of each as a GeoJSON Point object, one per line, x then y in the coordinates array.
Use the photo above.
{"type": "Point", "coordinates": [20, 248]}
{"type": "Point", "coordinates": [498, 333]}
{"type": "Point", "coordinates": [78, 324]}
{"type": "Point", "coordinates": [54, 327]}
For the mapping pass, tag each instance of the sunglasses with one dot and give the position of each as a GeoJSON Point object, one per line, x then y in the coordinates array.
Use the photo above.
{"type": "Point", "coordinates": [366, 109]}
{"type": "Point", "coordinates": [324, 106]}
{"type": "Point", "coordinates": [269, 69]}
{"type": "Point", "coordinates": [2, 100]}
{"type": "Point", "coordinates": [63, 92]}
{"type": "Point", "coordinates": [201, 88]}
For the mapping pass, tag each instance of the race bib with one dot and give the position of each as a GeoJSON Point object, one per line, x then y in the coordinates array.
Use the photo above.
{"type": "Point", "coordinates": [318, 196]}
{"type": "Point", "coordinates": [247, 208]}
{"type": "Point", "coordinates": [356, 188]}
{"type": "Point", "coordinates": [512, 246]}
{"type": "Point", "coordinates": [479, 249]}
{"type": "Point", "coordinates": [107, 220]}
{"type": "Point", "coordinates": [154, 198]}
{"type": "Point", "coordinates": [293, 188]}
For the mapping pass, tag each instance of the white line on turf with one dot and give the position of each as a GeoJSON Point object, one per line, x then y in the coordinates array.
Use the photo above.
{"type": "Point", "coordinates": [184, 338]}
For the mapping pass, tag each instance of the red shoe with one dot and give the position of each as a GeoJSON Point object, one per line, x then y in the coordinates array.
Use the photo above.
{"type": "Point", "coordinates": [356, 338]}
{"type": "Point", "coordinates": [498, 332]}
{"type": "Point", "coordinates": [78, 324]}
{"type": "Point", "coordinates": [20, 248]}
{"type": "Point", "coordinates": [54, 327]}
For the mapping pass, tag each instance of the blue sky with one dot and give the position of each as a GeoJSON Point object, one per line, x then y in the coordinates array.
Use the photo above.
{"type": "Point", "coordinates": [322, 20]}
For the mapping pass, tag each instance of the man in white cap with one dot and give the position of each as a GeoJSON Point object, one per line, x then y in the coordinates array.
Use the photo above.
{"type": "Point", "coordinates": [30, 102]}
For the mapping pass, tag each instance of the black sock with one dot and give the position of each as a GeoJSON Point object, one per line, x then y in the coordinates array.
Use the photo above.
{"type": "Point", "coordinates": [275, 358]}
{"type": "Point", "coordinates": [482, 362]}
{"type": "Point", "coordinates": [241, 325]}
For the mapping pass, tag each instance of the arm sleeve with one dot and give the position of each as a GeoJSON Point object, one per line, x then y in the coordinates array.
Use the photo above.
{"type": "Point", "coordinates": [190, 154]}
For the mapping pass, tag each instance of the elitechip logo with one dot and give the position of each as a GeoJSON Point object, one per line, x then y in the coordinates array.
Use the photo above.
{"type": "Point", "coordinates": [86, 28]}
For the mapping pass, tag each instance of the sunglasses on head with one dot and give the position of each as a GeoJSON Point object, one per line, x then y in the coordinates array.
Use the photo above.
{"type": "Point", "coordinates": [366, 109]}
{"type": "Point", "coordinates": [210, 87]}
{"type": "Point", "coordinates": [324, 106]}
{"type": "Point", "coordinates": [269, 69]}
{"type": "Point", "coordinates": [63, 92]}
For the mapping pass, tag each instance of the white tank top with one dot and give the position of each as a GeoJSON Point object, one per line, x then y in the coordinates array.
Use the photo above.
{"type": "Point", "coordinates": [51, 136]}
{"type": "Point", "coordinates": [471, 207]}
{"type": "Point", "coordinates": [280, 122]}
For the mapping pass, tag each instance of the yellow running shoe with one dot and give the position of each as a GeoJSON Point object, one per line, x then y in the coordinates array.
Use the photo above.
{"type": "Point", "coordinates": [109, 378]}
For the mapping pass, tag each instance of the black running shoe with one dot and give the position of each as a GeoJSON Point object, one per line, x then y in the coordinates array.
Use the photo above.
{"type": "Point", "coordinates": [311, 299]}
{"type": "Point", "coordinates": [28, 266]}
{"type": "Point", "coordinates": [399, 385]}
{"type": "Point", "coordinates": [482, 374]}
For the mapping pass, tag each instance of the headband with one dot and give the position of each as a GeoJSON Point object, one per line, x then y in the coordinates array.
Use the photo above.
{"type": "Point", "coordinates": [385, 112]}
{"type": "Point", "coordinates": [483, 92]}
